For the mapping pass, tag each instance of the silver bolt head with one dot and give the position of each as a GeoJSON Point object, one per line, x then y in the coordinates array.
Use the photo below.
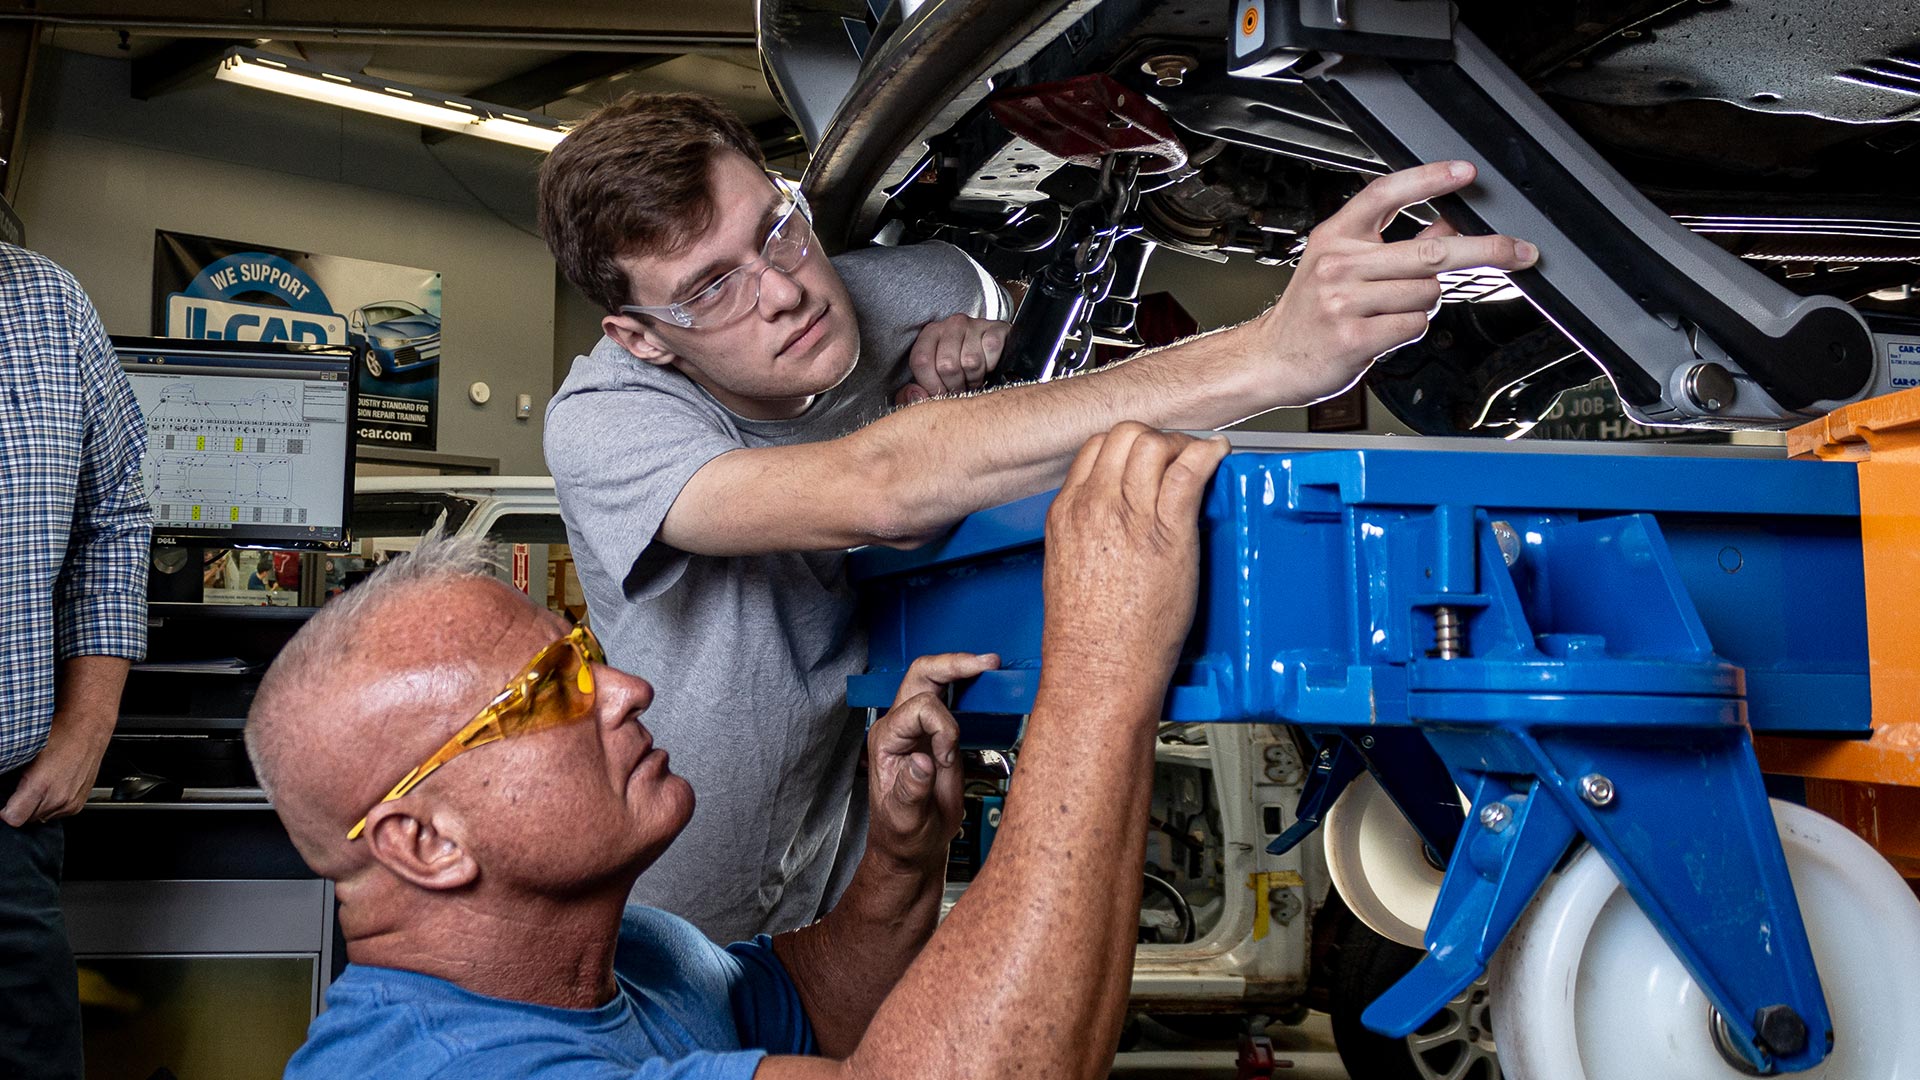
{"type": "Point", "coordinates": [1711, 387]}
{"type": "Point", "coordinates": [1597, 790]}
{"type": "Point", "coordinates": [1494, 816]}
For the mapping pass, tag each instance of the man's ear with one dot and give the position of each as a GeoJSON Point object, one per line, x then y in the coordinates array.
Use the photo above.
{"type": "Point", "coordinates": [420, 845]}
{"type": "Point", "coordinates": [638, 339]}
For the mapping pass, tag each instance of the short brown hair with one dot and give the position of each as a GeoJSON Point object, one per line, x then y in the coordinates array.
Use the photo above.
{"type": "Point", "coordinates": [632, 179]}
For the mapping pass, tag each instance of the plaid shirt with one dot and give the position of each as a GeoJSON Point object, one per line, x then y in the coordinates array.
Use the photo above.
{"type": "Point", "coordinates": [74, 523]}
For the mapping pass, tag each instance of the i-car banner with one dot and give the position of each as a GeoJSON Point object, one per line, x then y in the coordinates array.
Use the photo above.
{"type": "Point", "coordinates": [388, 315]}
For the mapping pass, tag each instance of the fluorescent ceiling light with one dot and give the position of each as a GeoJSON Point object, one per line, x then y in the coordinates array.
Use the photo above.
{"type": "Point", "coordinates": [413, 104]}
{"type": "Point", "coordinates": [508, 129]}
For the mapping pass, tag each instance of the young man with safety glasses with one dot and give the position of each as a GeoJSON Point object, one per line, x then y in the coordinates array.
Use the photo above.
{"type": "Point", "coordinates": [731, 435]}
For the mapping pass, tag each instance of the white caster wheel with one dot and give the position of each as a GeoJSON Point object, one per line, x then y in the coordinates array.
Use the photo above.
{"type": "Point", "coordinates": [1585, 989]}
{"type": "Point", "coordinates": [1379, 863]}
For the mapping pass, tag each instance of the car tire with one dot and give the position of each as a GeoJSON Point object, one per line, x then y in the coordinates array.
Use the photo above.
{"type": "Point", "coordinates": [1456, 1045]}
{"type": "Point", "coordinates": [371, 361]}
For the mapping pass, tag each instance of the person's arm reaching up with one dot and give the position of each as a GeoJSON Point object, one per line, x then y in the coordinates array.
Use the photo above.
{"type": "Point", "coordinates": [1028, 975]}
{"type": "Point", "coordinates": [902, 479]}
{"type": "Point", "coordinates": [844, 965]}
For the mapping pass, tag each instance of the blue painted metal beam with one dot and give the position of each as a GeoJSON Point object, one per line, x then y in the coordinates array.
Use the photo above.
{"type": "Point", "coordinates": [1624, 617]}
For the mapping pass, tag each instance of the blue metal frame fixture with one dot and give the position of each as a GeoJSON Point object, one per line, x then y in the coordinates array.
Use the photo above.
{"type": "Point", "coordinates": [1581, 644]}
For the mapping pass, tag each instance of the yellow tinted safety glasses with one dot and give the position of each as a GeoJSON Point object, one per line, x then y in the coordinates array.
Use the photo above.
{"type": "Point", "coordinates": [555, 688]}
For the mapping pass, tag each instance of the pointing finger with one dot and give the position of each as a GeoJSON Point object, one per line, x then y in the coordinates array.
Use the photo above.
{"type": "Point", "coordinates": [1427, 256]}
{"type": "Point", "coordinates": [921, 360]}
{"type": "Point", "coordinates": [1369, 212]}
{"type": "Point", "coordinates": [24, 807]}
{"type": "Point", "coordinates": [930, 673]}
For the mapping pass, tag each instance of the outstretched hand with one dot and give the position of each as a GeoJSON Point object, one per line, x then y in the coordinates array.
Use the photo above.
{"type": "Point", "coordinates": [913, 755]}
{"type": "Point", "coordinates": [1355, 297]}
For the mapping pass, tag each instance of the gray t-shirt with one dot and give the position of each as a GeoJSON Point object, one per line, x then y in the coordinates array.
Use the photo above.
{"type": "Point", "coordinates": [748, 656]}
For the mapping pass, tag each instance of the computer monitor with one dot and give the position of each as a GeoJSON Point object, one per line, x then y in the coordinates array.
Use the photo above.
{"type": "Point", "coordinates": [249, 444]}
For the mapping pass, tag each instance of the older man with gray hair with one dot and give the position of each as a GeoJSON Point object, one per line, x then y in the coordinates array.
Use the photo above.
{"type": "Point", "coordinates": [482, 896]}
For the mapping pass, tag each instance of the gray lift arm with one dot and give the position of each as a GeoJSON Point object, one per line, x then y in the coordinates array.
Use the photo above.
{"type": "Point", "coordinates": [1689, 333]}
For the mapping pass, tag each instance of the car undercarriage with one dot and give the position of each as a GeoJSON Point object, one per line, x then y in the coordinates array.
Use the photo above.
{"type": "Point", "coordinates": [1782, 133]}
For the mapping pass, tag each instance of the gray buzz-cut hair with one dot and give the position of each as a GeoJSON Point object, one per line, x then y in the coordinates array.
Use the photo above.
{"type": "Point", "coordinates": [437, 558]}
{"type": "Point", "coordinates": [315, 651]}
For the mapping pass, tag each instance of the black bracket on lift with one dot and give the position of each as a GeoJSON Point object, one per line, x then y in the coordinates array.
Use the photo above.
{"type": "Point", "coordinates": [1688, 333]}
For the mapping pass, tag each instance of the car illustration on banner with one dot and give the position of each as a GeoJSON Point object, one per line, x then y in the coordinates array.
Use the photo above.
{"type": "Point", "coordinates": [393, 336]}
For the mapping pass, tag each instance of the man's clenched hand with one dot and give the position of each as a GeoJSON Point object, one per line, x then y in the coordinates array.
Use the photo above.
{"type": "Point", "coordinates": [1123, 553]}
{"type": "Point", "coordinates": [952, 356]}
{"type": "Point", "coordinates": [913, 755]}
{"type": "Point", "coordinates": [1355, 297]}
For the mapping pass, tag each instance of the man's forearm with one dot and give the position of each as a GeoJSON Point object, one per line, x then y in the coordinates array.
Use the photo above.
{"type": "Point", "coordinates": [903, 479]}
{"type": "Point", "coordinates": [845, 965]}
{"type": "Point", "coordinates": [87, 693]}
{"type": "Point", "coordinates": [988, 993]}
{"type": "Point", "coordinates": [91, 684]}
{"type": "Point", "coordinates": [950, 457]}
{"type": "Point", "coordinates": [1029, 974]}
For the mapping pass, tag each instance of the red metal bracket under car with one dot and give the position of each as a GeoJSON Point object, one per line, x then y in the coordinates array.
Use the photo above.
{"type": "Point", "coordinates": [1089, 117]}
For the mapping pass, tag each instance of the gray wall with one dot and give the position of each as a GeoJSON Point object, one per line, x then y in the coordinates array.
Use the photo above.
{"type": "Point", "coordinates": [103, 171]}
{"type": "Point", "coordinates": [576, 326]}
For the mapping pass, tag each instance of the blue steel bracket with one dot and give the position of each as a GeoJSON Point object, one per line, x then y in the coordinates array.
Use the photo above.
{"type": "Point", "coordinates": [1621, 727]}
{"type": "Point", "coordinates": [1408, 770]}
{"type": "Point", "coordinates": [1645, 613]}
{"type": "Point", "coordinates": [1682, 821]}
{"type": "Point", "coordinates": [1335, 763]}
{"type": "Point", "coordinates": [1419, 783]}
{"type": "Point", "coordinates": [1500, 864]}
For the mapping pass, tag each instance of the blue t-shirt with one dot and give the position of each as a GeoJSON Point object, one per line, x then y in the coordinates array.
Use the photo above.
{"type": "Point", "coordinates": [687, 1010]}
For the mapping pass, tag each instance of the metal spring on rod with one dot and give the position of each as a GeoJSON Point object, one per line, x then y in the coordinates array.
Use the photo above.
{"type": "Point", "coordinates": [1449, 634]}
